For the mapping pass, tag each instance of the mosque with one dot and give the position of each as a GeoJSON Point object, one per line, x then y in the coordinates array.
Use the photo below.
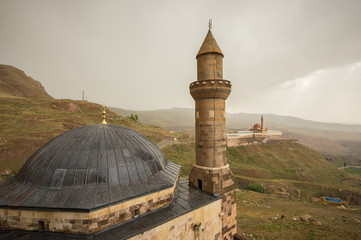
{"type": "Point", "coordinates": [259, 128]}
{"type": "Point", "coordinates": [108, 182]}
{"type": "Point", "coordinates": [257, 134]}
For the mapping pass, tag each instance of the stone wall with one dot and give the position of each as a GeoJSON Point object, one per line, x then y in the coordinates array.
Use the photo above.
{"type": "Point", "coordinates": [204, 223]}
{"type": "Point", "coordinates": [234, 142]}
{"type": "Point", "coordinates": [209, 66]}
{"type": "Point", "coordinates": [229, 209]}
{"type": "Point", "coordinates": [84, 222]}
{"type": "Point", "coordinates": [219, 181]}
{"type": "Point", "coordinates": [210, 128]}
{"type": "Point", "coordinates": [213, 180]}
{"type": "Point", "coordinates": [243, 141]}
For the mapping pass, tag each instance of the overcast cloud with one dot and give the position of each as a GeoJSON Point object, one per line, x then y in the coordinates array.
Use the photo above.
{"type": "Point", "coordinates": [298, 58]}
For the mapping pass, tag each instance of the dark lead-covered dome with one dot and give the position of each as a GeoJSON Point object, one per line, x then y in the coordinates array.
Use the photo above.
{"type": "Point", "coordinates": [87, 168]}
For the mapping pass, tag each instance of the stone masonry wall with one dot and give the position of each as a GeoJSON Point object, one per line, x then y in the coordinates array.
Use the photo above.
{"type": "Point", "coordinates": [210, 128]}
{"type": "Point", "coordinates": [219, 181]}
{"type": "Point", "coordinates": [229, 228]}
{"type": "Point", "coordinates": [209, 66]}
{"type": "Point", "coordinates": [214, 181]}
{"type": "Point", "coordinates": [187, 226]}
{"type": "Point", "coordinates": [234, 142]}
{"type": "Point", "coordinates": [84, 222]}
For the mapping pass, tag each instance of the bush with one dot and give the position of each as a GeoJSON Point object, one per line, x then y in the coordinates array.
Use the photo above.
{"type": "Point", "coordinates": [134, 117]}
{"type": "Point", "coordinates": [256, 188]}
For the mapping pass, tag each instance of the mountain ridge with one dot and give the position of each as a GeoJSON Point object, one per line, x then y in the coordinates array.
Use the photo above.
{"type": "Point", "coordinates": [328, 138]}
{"type": "Point", "coordinates": [249, 119]}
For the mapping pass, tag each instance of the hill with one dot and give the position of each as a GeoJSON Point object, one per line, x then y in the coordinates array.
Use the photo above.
{"type": "Point", "coordinates": [15, 83]}
{"type": "Point", "coordinates": [328, 138]}
{"type": "Point", "coordinates": [30, 117]}
{"type": "Point", "coordinates": [287, 165]}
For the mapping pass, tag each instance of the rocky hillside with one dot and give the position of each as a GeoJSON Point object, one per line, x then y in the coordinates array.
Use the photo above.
{"type": "Point", "coordinates": [30, 117]}
{"type": "Point", "coordinates": [15, 83]}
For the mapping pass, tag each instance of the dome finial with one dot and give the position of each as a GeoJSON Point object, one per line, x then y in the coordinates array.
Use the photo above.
{"type": "Point", "coordinates": [210, 24]}
{"type": "Point", "coordinates": [104, 116]}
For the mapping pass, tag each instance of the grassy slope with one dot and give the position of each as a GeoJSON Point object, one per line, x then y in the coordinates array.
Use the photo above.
{"type": "Point", "coordinates": [286, 168]}
{"type": "Point", "coordinates": [182, 154]}
{"type": "Point", "coordinates": [291, 174]}
{"type": "Point", "coordinates": [26, 123]}
{"type": "Point", "coordinates": [259, 216]}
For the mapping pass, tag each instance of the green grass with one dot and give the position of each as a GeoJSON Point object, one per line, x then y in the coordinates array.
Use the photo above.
{"type": "Point", "coordinates": [282, 161]}
{"type": "Point", "coordinates": [256, 188]}
{"type": "Point", "coordinates": [353, 171]}
{"type": "Point", "coordinates": [182, 154]}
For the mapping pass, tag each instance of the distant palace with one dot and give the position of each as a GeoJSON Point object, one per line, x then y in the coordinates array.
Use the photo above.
{"type": "Point", "coordinates": [256, 135]}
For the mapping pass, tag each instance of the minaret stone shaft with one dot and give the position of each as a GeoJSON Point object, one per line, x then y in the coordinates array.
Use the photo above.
{"type": "Point", "coordinates": [211, 173]}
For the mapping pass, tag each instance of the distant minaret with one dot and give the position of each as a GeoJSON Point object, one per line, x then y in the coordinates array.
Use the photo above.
{"type": "Point", "coordinates": [211, 173]}
{"type": "Point", "coordinates": [262, 123]}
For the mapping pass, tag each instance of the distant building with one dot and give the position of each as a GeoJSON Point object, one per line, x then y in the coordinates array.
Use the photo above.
{"type": "Point", "coordinates": [257, 134]}
{"type": "Point", "coordinates": [259, 128]}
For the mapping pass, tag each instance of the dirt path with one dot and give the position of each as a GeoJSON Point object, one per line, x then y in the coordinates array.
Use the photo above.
{"type": "Point", "coordinates": [340, 168]}
{"type": "Point", "coordinates": [164, 143]}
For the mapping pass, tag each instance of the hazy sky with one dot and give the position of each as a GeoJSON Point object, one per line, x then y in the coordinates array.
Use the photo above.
{"type": "Point", "coordinates": [289, 57]}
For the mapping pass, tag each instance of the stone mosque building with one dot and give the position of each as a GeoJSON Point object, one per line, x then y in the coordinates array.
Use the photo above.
{"type": "Point", "coordinates": [106, 182]}
{"type": "Point", "coordinates": [257, 134]}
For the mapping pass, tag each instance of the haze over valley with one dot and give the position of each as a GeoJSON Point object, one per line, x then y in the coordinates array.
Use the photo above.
{"type": "Point", "coordinates": [328, 138]}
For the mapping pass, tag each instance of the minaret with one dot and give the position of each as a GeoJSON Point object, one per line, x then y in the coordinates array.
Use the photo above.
{"type": "Point", "coordinates": [262, 123]}
{"type": "Point", "coordinates": [211, 173]}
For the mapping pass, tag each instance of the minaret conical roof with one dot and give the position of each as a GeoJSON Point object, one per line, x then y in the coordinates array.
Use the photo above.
{"type": "Point", "coordinates": [209, 45]}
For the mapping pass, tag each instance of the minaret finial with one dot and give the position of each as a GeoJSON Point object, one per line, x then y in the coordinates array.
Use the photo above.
{"type": "Point", "coordinates": [104, 116]}
{"type": "Point", "coordinates": [210, 24]}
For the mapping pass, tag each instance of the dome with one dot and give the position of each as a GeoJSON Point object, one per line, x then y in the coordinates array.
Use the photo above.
{"type": "Point", "coordinates": [89, 167]}
{"type": "Point", "coordinates": [256, 126]}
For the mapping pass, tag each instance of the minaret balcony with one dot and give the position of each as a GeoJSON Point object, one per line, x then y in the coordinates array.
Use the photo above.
{"type": "Point", "coordinates": [215, 88]}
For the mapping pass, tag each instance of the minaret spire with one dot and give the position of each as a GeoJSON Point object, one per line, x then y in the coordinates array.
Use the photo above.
{"type": "Point", "coordinates": [210, 24]}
